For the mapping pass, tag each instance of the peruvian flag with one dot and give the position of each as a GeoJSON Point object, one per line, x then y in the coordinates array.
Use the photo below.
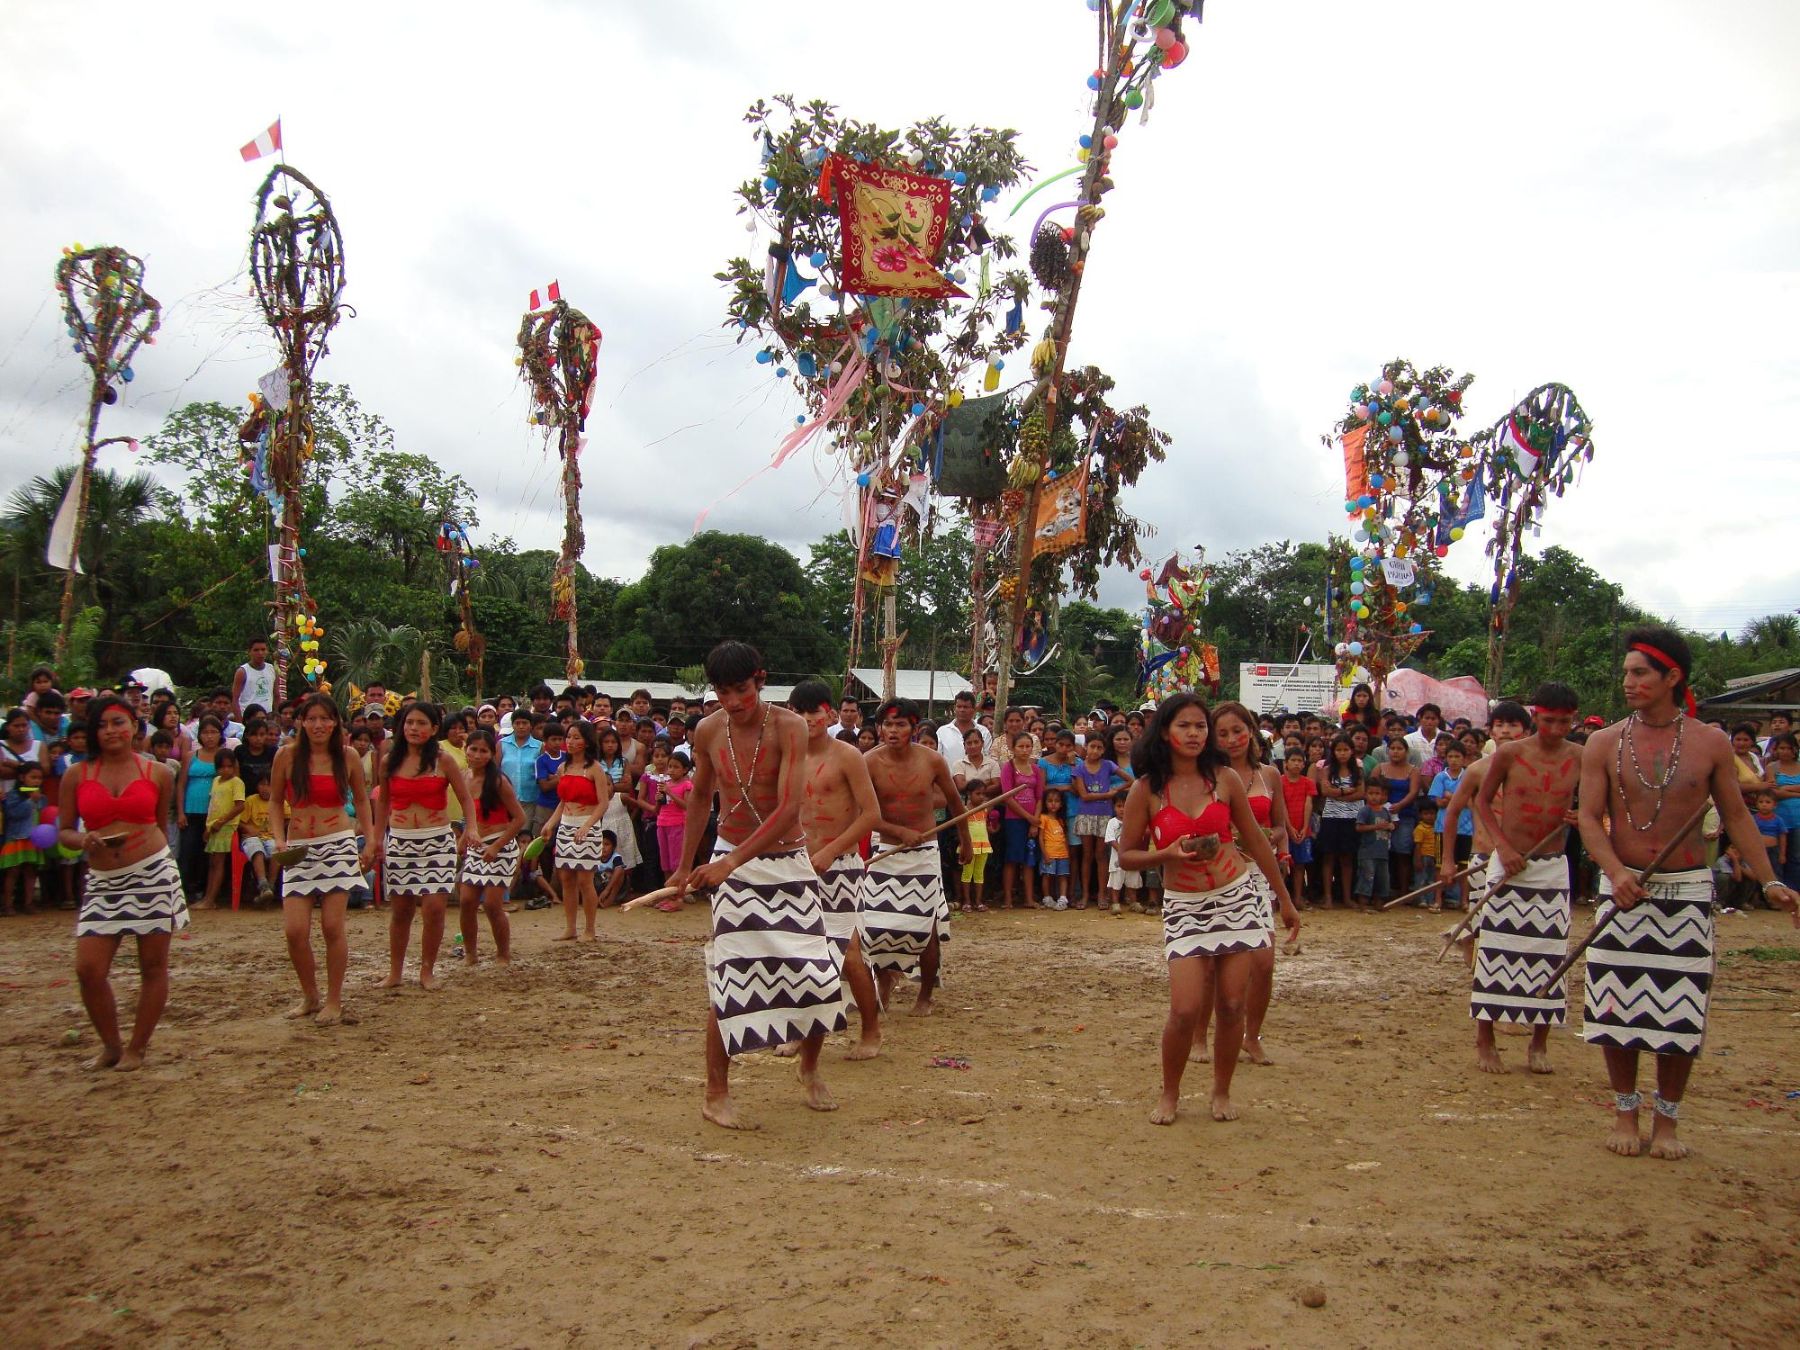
{"type": "Point", "coordinates": [1512, 437]}
{"type": "Point", "coordinates": [266, 144]}
{"type": "Point", "coordinates": [548, 297]}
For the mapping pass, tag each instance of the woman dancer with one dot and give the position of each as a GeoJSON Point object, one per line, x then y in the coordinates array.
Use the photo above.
{"type": "Point", "coordinates": [413, 812]}
{"type": "Point", "coordinates": [490, 848]}
{"type": "Point", "coordinates": [1240, 744]}
{"type": "Point", "coordinates": [583, 793]}
{"type": "Point", "coordinates": [611, 757]}
{"type": "Point", "coordinates": [1180, 815]}
{"type": "Point", "coordinates": [119, 797]}
{"type": "Point", "coordinates": [310, 782]}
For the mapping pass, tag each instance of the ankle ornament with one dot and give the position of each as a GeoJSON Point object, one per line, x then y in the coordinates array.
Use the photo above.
{"type": "Point", "coordinates": [1668, 1110]}
{"type": "Point", "coordinates": [1626, 1103]}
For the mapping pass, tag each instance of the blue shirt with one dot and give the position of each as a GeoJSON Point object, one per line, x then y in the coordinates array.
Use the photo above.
{"type": "Point", "coordinates": [1443, 788]}
{"type": "Point", "coordinates": [519, 764]}
{"type": "Point", "coordinates": [547, 767]}
{"type": "Point", "coordinates": [44, 737]}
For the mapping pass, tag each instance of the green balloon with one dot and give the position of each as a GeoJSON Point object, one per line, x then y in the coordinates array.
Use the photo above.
{"type": "Point", "coordinates": [1160, 13]}
{"type": "Point", "coordinates": [1386, 419]}
{"type": "Point", "coordinates": [1134, 98]}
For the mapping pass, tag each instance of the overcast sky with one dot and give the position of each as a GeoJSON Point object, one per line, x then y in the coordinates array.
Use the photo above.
{"type": "Point", "coordinates": [1600, 193]}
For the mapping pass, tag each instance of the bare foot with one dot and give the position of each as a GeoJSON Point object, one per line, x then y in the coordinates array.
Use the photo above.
{"type": "Point", "coordinates": [1537, 1059]}
{"type": "Point", "coordinates": [1663, 1143]}
{"type": "Point", "coordinates": [470, 961]}
{"type": "Point", "coordinates": [787, 1051]}
{"type": "Point", "coordinates": [1254, 1052]}
{"type": "Point", "coordinates": [564, 937]}
{"type": "Point", "coordinates": [923, 1007]}
{"type": "Point", "coordinates": [305, 1008]}
{"type": "Point", "coordinates": [867, 1048]}
{"type": "Point", "coordinates": [332, 1015]}
{"type": "Point", "coordinates": [1624, 1140]}
{"type": "Point", "coordinates": [587, 937]}
{"type": "Point", "coordinates": [105, 1059]}
{"type": "Point", "coordinates": [503, 960]}
{"type": "Point", "coordinates": [132, 1060]}
{"type": "Point", "coordinates": [1487, 1059]}
{"type": "Point", "coordinates": [391, 982]}
{"type": "Point", "coordinates": [428, 979]}
{"type": "Point", "coordinates": [720, 1112]}
{"type": "Point", "coordinates": [1200, 1052]}
{"type": "Point", "coordinates": [816, 1095]}
{"type": "Point", "coordinates": [1166, 1106]}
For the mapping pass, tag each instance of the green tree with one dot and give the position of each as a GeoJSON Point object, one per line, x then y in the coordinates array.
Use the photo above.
{"type": "Point", "coordinates": [931, 596]}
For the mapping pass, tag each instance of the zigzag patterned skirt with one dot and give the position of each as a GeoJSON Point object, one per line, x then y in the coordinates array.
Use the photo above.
{"type": "Point", "coordinates": [478, 872]}
{"type": "Point", "coordinates": [771, 973]}
{"type": "Point", "coordinates": [903, 905]}
{"type": "Point", "coordinates": [574, 857]}
{"type": "Point", "coordinates": [1521, 936]}
{"type": "Point", "coordinates": [420, 862]}
{"type": "Point", "coordinates": [1231, 918]}
{"type": "Point", "coordinates": [840, 895]}
{"type": "Point", "coordinates": [133, 901]}
{"type": "Point", "coordinates": [1650, 972]}
{"type": "Point", "coordinates": [332, 863]}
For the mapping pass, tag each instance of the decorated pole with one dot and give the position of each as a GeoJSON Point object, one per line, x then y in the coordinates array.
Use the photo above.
{"type": "Point", "coordinates": [109, 315]}
{"type": "Point", "coordinates": [559, 352]}
{"type": "Point", "coordinates": [1172, 654]}
{"type": "Point", "coordinates": [1531, 454]}
{"type": "Point", "coordinates": [1138, 40]}
{"type": "Point", "coordinates": [297, 270]}
{"type": "Point", "coordinates": [459, 557]}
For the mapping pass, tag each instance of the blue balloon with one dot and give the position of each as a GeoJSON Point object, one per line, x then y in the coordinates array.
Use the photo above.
{"type": "Point", "coordinates": [1416, 628]}
{"type": "Point", "coordinates": [959, 177]}
{"type": "Point", "coordinates": [999, 364]}
{"type": "Point", "coordinates": [862, 480]}
{"type": "Point", "coordinates": [1087, 142]}
{"type": "Point", "coordinates": [818, 259]}
{"type": "Point", "coordinates": [1365, 500]}
{"type": "Point", "coordinates": [1093, 82]}
{"type": "Point", "coordinates": [781, 372]}
{"type": "Point", "coordinates": [990, 194]}
{"type": "Point", "coordinates": [1357, 588]}
{"type": "Point", "coordinates": [918, 410]}
{"type": "Point", "coordinates": [1356, 649]}
{"type": "Point", "coordinates": [1376, 480]}
{"type": "Point", "coordinates": [763, 358]}
{"type": "Point", "coordinates": [128, 374]}
{"type": "Point", "coordinates": [770, 184]}
{"type": "Point", "coordinates": [799, 419]}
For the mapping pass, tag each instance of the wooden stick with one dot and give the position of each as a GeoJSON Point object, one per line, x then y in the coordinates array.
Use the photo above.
{"type": "Point", "coordinates": [648, 898]}
{"type": "Point", "coordinates": [1675, 841]}
{"type": "Point", "coordinates": [1474, 911]}
{"type": "Point", "coordinates": [936, 830]}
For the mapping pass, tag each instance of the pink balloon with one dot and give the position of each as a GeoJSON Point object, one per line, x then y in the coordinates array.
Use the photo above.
{"type": "Point", "coordinates": [1165, 38]}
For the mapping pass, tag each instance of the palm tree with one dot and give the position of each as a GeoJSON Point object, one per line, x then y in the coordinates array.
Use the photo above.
{"type": "Point", "coordinates": [1780, 631]}
{"type": "Point", "coordinates": [364, 650]}
{"type": "Point", "coordinates": [118, 504]}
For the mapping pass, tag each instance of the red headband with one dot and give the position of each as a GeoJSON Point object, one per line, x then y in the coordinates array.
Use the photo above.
{"type": "Point", "coordinates": [1657, 654]}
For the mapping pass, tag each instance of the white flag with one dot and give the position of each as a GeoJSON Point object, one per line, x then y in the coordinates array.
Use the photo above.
{"type": "Point", "coordinates": [64, 548]}
{"type": "Point", "coordinates": [1399, 571]}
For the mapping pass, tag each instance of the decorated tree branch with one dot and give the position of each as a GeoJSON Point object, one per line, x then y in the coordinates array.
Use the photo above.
{"type": "Point", "coordinates": [559, 353]}
{"type": "Point", "coordinates": [1531, 455]}
{"type": "Point", "coordinates": [108, 315]}
{"type": "Point", "coordinates": [1137, 41]}
{"type": "Point", "coordinates": [297, 271]}
{"type": "Point", "coordinates": [459, 557]}
{"type": "Point", "coordinates": [1411, 486]}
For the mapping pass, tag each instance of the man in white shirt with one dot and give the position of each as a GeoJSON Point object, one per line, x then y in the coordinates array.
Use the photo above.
{"type": "Point", "coordinates": [951, 735]}
{"type": "Point", "coordinates": [1421, 745]}
{"type": "Point", "coordinates": [849, 721]}
{"type": "Point", "coordinates": [254, 682]}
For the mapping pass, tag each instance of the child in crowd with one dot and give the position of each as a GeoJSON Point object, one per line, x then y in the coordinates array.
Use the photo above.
{"type": "Point", "coordinates": [223, 808]}
{"type": "Point", "coordinates": [1118, 880]}
{"type": "Point", "coordinates": [1053, 850]}
{"type": "Point", "coordinates": [671, 818]}
{"type": "Point", "coordinates": [611, 873]}
{"type": "Point", "coordinates": [258, 846]}
{"type": "Point", "coordinates": [1375, 833]}
{"type": "Point", "coordinates": [649, 790]}
{"type": "Point", "coordinates": [362, 745]}
{"type": "Point", "coordinates": [1019, 821]}
{"type": "Point", "coordinates": [1768, 824]}
{"type": "Point", "coordinates": [19, 854]}
{"type": "Point", "coordinates": [1297, 793]}
{"type": "Point", "coordinates": [974, 872]}
{"type": "Point", "coordinates": [1456, 838]}
{"type": "Point", "coordinates": [1733, 885]}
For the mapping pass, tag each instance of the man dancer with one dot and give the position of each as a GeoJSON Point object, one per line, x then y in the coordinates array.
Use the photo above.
{"type": "Point", "coordinates": [1508, 722]}
{"type": "Point", "coordinates": [771, 975]}
{"type": "Point", "coordinates": [1649, 973]}
{"type": "Point", "coordinates": [837, 808]}
{"type": "Point", "coordinates": [906, 915]}
{"type": "Point", "coordinates": [1523, 931]}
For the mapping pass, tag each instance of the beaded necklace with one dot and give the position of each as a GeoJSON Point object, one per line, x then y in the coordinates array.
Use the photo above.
{"type": "Point", "coordinates": [755, 758]}
{"type": "Point", "coordinates": [1628, 740]}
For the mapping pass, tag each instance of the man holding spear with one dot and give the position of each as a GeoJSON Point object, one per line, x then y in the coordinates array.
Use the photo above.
{"type": "Point", "coordinates": [1644, 786]}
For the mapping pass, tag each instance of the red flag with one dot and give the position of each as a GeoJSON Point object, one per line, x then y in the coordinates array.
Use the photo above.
{"type": "Point", "coordinates": [266, 144]}
{"type": "Point", "coordinates": [554, 294]}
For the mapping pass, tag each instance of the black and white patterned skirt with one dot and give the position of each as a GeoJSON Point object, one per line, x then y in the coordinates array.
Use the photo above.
{"type": "Point", "coordinates": [420, 862]}
{"type": "Point", "coordinates": [1650, 972]}
{"type": "Point", "coordinates": [574, 857]}
{"type": "Point", "coordinates": [1234, 917]}
{"type": "Point", "coordinates": [333, 863]}
{"type": "Point", "coordinates": [134, 901]}
{"type": "Point", "coordinates": [477, 871]}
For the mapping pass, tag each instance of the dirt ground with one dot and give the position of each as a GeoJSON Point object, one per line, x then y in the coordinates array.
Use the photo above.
{"type": "Point", "coordinates": [519, 1159]}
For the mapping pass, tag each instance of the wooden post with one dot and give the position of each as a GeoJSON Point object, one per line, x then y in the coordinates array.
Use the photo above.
{"type": "Point", "coordinates": [67, 621]}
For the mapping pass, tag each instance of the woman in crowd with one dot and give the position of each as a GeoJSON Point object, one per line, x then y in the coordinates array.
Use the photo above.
{"type": "Point", "coordinates": [118, 799]}
{"type": "Point", "coordinates": [420, 859]}
{"type": "Point", "coordinates": [310, 783]}
{"type": "Point", "coordinates": [193, 789]}
{"type": "Point", "coordinates": [1401, 780]}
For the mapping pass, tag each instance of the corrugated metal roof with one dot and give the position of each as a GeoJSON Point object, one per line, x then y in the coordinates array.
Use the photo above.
{"type": "Point", "coordinates": [939, 686]}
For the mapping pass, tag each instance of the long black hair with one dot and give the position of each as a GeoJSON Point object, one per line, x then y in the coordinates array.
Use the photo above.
{"type": "Point", "coordinates": [1254, 752]}
{"type": "Point", "coordinates": [590, 741]}
{"type": "Point", "coordinates": [1370, 717]}
{"type": "Point", "coordinates": [427, 751]}
{"type": "Point", "coordinates": [1151, 757]}
{"type": "Point", "coordinates": [489, 799]}
{"type": "Point", "coordinates": [1331, 764]}
{"type": "Point", "coordinates": [300, 773]}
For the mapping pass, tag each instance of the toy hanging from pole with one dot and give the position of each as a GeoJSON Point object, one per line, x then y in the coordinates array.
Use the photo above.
{"type": "Point", "coordinates": [559, 353]}
{"type": "Point", "coordinates": [1408, 479]}
{"type": "Point", "coordinates": [1172, 656]}
{"type": "Point", "coordinates": [108, 315]}
{"type": "Point", "coordinates": [297, 270]}
{"type": "Point", "coordinates": [459, 556]}
{"type": "Point", "coordinates": [1531, 454]}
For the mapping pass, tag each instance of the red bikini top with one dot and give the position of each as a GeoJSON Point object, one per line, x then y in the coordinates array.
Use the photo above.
{"type": "Point", "coordinates": [577, 790]}
{"type": "Point", "coordinates": [1172, 823]}
{"type": "Point", "coordinates": [321, 790]}
{"type": "Point", "coordinates": [1263, 808]}
{"type": "Point", "coordinates": [495, 817]}
{"type": "Point", "coordinates": [100, 806]}
{"type": "Point", "coordinates": [430, 790]}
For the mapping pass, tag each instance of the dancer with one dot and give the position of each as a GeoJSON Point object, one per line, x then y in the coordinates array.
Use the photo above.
{"type": "Point", "coordinates": [312, 779]}
{"type": "Point", "coordinates": [1523, 930]}
{"type": "Point", "coordinates": [490, 848]}
{"type": "Point", "coordinates": [583, 793]}
{"type": "Point", "coordinates": [120, 797]}
{"type": "Point", "coordinates": [1241, 747]}
{"type": "Point", "coordinates": [413, 814]}
{"type": "Point", "coordinates": [1649, 972]}
{"type": "Point", "coordinates": [1507, 722]}
{"type": "Point", "coordinates": [906, 915]}
{"type": "Point", "coordinates": [1180, 815]}
{"type": "Point", "coordinates": [771, 976]}
{"type": "Point", "coordinates": [837, 808]}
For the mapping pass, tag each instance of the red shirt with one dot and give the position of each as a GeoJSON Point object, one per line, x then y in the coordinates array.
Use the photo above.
{"type": "Point", "coordinates": [1296, 793]}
